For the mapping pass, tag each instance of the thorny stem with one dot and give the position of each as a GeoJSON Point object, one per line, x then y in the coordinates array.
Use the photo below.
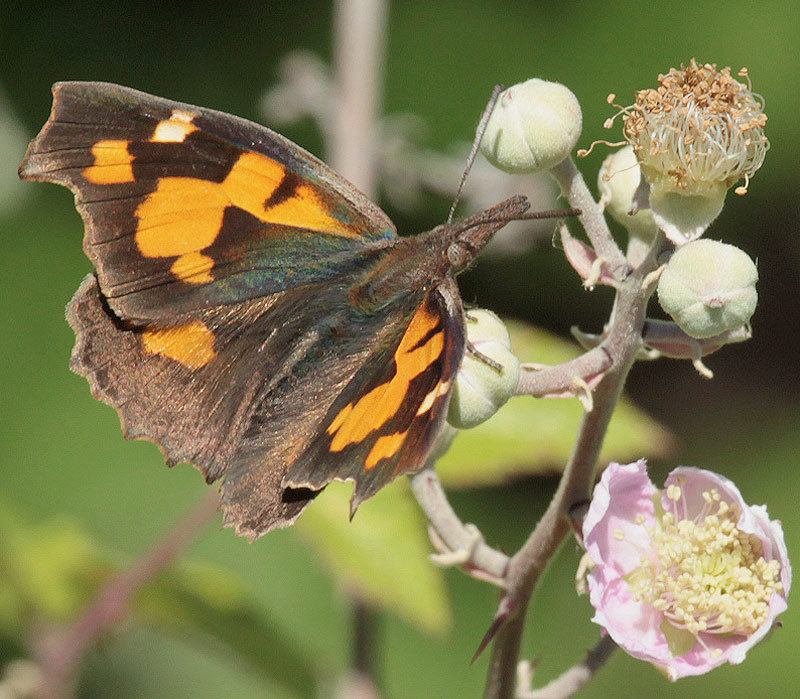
{"type": "Point", "coordinates": [60, 652]}
{"type": "Point", "coordinates": [622, 344]}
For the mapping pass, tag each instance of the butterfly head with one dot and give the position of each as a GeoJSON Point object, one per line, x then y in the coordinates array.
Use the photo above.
{"type": "Point", "coordinates": [465, 239]}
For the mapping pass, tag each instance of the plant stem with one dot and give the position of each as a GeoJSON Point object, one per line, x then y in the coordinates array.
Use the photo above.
{"type": "Point", "coordinates": [622, 343]}
{"type": "Point", "coordinates": [59, 653]}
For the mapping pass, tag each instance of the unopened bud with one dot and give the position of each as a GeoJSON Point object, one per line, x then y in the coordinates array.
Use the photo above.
{"type": "Point", "coordinates": [481, 389]}
{"type": "Point", "coordinates": [618, 180]}
{"type": "Point", "coordinates": [709, 288]}
{"type": "Point", "coordinates": [534, 126]}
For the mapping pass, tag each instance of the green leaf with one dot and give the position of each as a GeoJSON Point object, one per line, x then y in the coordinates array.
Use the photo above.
{"type": "Point", "coordinates": [533, 436]}
{"type": "Point", "coordinates": [207, 601]}
{"type": "Point", "coordinates": [382, 554]}
{"type": "Point", "coordinates": [53, 570]}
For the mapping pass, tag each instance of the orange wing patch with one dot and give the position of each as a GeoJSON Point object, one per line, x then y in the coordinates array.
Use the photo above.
{"type": "Point", "coordinates": [194, 268]}
{"type": "Point", "coordinates": [255, 178]}
{"type": "Point", "coordinates": [384, 448]}
{"type": "Point", "coordinates": [192, 344]}
{"type": "Point", "coordinates": [413, 356]}
{"type": "Point", "coordinates": [430, 399]}
{"type": "Point", "coordinates": [184, 215]}
{"type": "Point", "coordinates": [113, 164]}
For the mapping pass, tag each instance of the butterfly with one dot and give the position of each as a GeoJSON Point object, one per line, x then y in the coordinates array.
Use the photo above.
{"type": "Point", "coordinates": [251, 311]}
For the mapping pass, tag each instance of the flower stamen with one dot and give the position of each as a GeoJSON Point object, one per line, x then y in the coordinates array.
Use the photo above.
{"type": "Point", "coordinates": [706, 575]}
{"type": "Point", "coordinates": [698, 129]}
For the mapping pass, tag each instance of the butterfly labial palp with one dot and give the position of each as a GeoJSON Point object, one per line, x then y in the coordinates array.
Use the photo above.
{"type": "Point", "coordinates": [250, 311]}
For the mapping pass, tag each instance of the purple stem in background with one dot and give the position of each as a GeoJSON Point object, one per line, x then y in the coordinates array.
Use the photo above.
{"type": "Point", "coordinates": [60, 652]}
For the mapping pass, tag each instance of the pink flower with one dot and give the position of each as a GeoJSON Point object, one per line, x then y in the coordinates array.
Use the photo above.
{"type": "Point", "coordinates": [688, 577]}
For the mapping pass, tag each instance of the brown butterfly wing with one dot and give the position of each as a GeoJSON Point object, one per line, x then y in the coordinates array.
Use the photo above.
{"type": "Point", "coordinates": [259, 394]}
{"type": "Point", "coordinates": [186, 207]}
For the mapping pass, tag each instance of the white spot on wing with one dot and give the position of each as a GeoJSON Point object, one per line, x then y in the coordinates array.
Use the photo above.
{"type": "Point", "coordinates": [175, 129]}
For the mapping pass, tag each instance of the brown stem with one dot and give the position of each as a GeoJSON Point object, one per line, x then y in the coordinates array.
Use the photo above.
{"type": "Point", "coordinates": [622, 343]}
{"type": "Point", "coordinates": [59, 653]}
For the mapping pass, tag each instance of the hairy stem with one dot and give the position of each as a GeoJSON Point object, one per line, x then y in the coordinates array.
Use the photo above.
{"type": "Point", "coordinates": [621, 344]}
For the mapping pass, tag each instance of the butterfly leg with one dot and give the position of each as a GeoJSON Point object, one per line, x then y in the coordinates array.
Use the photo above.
{"type": "Point", "coordinates": [475, 352]}
{"type": "Point", "coordinates": [481, 357]}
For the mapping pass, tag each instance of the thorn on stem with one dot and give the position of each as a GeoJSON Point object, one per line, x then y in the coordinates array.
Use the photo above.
{"type": "Point", "coordinates": [507, 606]}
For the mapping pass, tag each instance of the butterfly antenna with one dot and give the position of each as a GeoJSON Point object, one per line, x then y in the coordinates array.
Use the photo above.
{"type": "Point", "coordinates": [487, 112]}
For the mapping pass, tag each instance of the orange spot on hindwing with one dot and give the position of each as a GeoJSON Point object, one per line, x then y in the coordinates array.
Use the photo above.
{"type": "Point", "coordinates": [192, 344]}
{"type": "Point", "coordinates": [384, 448]}
{"type": "Point", "coordinates": [113, 164]}
{"type": "Point", "coordinates": [418, 350]}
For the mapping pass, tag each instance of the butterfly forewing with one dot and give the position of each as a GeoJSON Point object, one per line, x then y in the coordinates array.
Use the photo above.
{"type": "Point", "coordinates": [186, 207]}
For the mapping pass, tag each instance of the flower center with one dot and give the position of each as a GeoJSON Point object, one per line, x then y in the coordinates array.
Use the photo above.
{"type": "Point", "coordinates": [705, 574]}
{"type": "Point", "coordinates": [700, 128]}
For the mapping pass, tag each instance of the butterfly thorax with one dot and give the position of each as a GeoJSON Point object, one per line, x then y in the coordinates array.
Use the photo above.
{"type": "Point", "coordinates": [417, 264]}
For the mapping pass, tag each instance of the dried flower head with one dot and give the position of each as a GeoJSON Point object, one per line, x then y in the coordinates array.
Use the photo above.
{"type": "Point", "coordinates": [699, 128]}
{"type": "Point", "coordinates": [695, 136]}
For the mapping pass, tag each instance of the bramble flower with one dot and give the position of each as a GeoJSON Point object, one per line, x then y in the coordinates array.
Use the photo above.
{"type": "Point", "coordinates": [688, 577]}
{"type": "Point", "coordinates": [695, 136]}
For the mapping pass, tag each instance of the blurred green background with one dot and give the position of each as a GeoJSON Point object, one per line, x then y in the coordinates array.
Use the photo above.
{"type": "Point", "coordinates": [241, 620]}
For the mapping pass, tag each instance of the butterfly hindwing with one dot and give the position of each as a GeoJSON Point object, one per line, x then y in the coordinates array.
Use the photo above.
{"type": "Point", "coordinates": [255, 393]}
{"type": "Point", "coordinates": [187, 207]}
{"type": "Point", "coordinates": [384, 423]}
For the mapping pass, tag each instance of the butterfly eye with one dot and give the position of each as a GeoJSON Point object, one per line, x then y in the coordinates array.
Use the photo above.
{"type": "Point", "coordinates": [458, 255]}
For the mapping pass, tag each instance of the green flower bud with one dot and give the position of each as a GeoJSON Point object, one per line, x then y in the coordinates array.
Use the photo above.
{"type": "Point", "coordinates": [617, 182]}
{"type": "Point", "coordinates": [708, 288]}
{"type": "Point", "coordinates": [534, 126]}
{"type": "Point", "coordinates": [480, 390]}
